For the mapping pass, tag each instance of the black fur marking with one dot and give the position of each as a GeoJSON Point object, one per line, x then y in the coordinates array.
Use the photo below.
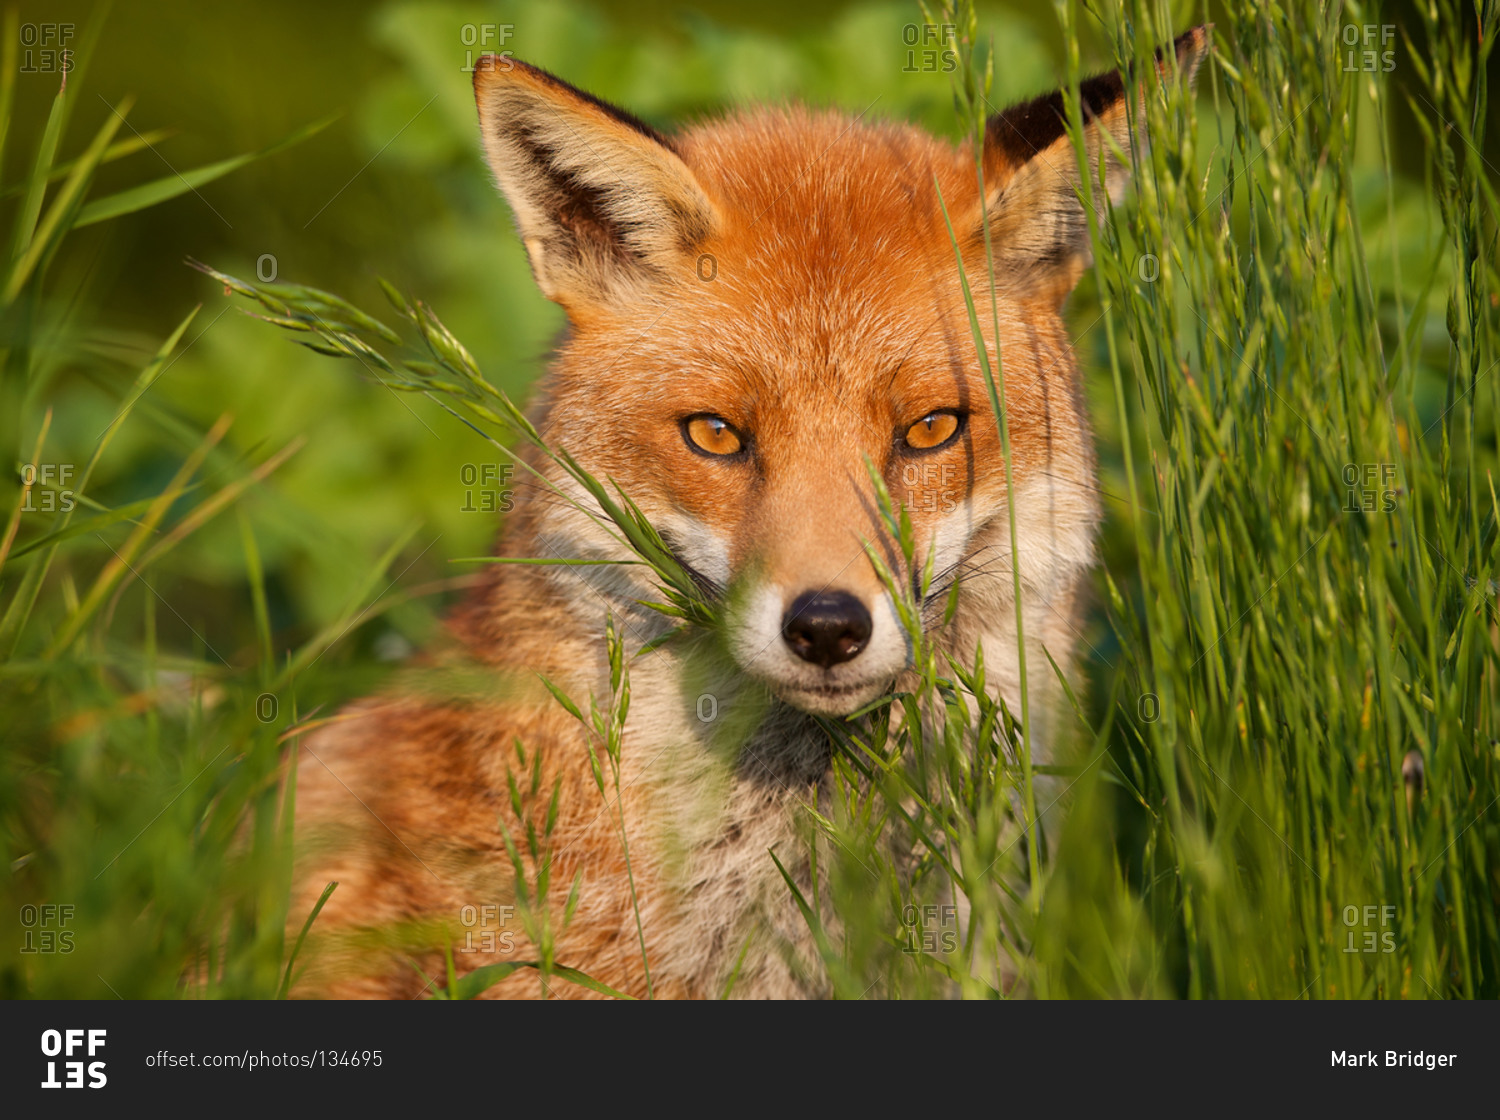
{"type": "Point", "coordinates": [580, 209]}
{"type": "Point", "coordinates": [1023, 131]}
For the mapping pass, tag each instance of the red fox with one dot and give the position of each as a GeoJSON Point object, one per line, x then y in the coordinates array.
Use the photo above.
{"type": "Point", "coordinates": [757, 307]}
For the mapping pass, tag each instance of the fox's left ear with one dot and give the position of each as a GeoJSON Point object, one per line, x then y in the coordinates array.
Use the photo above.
{"type": "Point", "coordinates": [1038, 225]}
{"type": "Point", "coordinates": [604, 204]}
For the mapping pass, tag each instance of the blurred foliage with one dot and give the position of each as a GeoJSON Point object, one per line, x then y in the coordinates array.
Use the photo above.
{"type": "Point", "coordinates": [147, 743]}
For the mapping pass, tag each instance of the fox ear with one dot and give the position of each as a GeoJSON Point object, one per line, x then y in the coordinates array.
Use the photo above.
{"type": "Point", "coordinates": [1038, 225]}
{"type": "Point", "coordinates": [603, 202]}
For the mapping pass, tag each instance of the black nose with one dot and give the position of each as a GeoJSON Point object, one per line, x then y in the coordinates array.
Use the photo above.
{"type": "Point", "coordinates": [826, 627]}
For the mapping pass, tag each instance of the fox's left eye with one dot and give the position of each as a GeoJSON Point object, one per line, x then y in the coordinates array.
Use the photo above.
{"type": "Point", "coordinates": [934, 430]}
{"type": "Point", "coordinates": [712, 435]}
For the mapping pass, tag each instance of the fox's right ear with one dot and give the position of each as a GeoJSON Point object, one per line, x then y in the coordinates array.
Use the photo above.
{"type": "Point", "coordinates": [1032, 170]}
{"type": "Point", "coordinates": [603, 202]}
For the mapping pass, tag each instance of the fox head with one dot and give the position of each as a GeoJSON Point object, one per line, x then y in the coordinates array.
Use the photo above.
{"type": "Point", "coordinates": [763, 305]}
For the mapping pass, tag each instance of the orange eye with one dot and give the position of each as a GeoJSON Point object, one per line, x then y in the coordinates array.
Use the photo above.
{"type": "Point", "coordinates": [712, 435]}
{"type": "Point", "coordinates": [933, 430]}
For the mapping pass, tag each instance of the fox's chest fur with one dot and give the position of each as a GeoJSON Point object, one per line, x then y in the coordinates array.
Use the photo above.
{"type": "Point", "coordinates": [756, 409]}
{"type": "Point", "coordinates": [405, 800]}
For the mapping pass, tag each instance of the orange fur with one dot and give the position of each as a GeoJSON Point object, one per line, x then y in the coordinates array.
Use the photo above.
{"type": "Point", "coordinates": [833, 320]}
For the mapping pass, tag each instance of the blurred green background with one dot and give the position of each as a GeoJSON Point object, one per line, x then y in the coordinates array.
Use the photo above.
{"type": "Point", "coordinates": [393, 188]}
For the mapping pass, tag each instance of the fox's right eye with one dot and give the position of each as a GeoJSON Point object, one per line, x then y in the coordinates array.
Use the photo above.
{"type": "Point", "coordinates": [712, 435]}
{"type": "Point", "coordinates": [935, 430]}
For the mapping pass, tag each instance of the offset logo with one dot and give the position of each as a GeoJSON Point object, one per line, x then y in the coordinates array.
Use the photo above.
{"type": "Point", "coordinates": [44, 928]}
{"type": "Point", "coordinates": [66, 1044]}
{"type": "Point", "coordinates": [493, 480]}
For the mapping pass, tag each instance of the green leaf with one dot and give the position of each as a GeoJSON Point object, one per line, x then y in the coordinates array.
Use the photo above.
{"type": "Point", "coordinates": [36, 187]}
{"type": "Point", "coordinates": [286, 980]}
{"type": "Point", "coordinates": [8, 70]}
{"type": "Point", "coordinates": [89, 525]}
{"type": "Point", "coordinates": [561, 697]}
{"type": "Point", "coordinates": [118, 150]}
{"type": "Point", "coordinates": [41, 239]}
{"type": "Point", "coordinates": [573, 893]}
{"type": "Point", "coordinates": [482, 979]}
{"type": "Point", "coordinates": [170, 186]}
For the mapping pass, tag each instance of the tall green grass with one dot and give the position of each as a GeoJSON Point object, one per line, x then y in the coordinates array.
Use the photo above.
{"type": "Point", "coordinates": [145, 823]}
{"type": "Point", "coordinates": [1313, 525]}
{"type": "Point", "coordinates": [1282, 763]}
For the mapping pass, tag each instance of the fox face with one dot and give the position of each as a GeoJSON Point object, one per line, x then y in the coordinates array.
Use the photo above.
{"type": "Point", "coordinates": [767, 312]}
{"type": "Point", "coordinates": [767, 328]}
